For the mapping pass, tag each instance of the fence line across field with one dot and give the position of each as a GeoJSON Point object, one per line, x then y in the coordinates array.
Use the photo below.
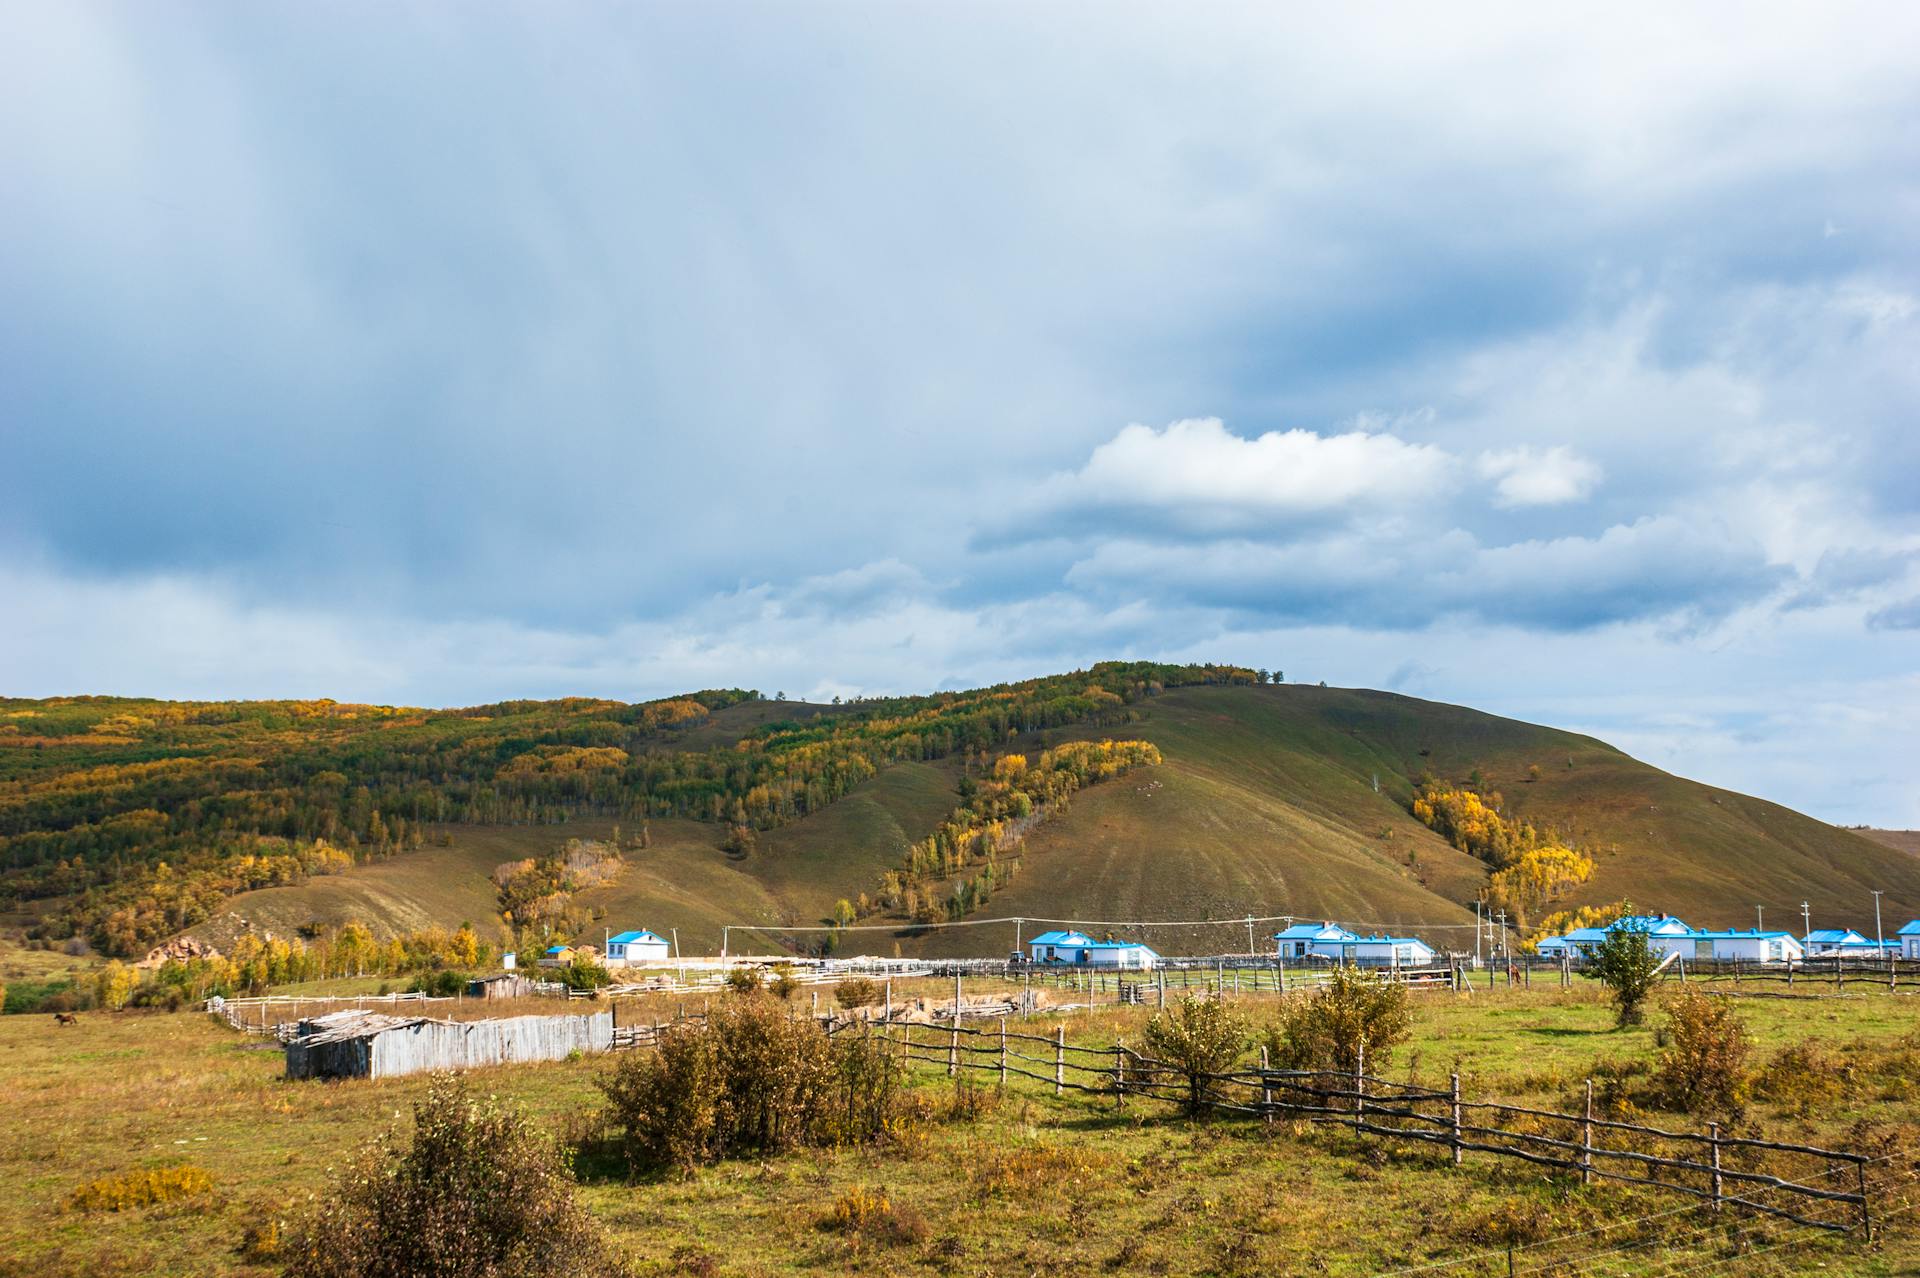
{"type": "Point", "coordinates": [1710, 1165]}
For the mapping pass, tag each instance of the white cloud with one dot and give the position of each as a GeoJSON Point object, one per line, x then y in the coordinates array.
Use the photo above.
{"type": "Point", "coordinates": [1197, 475]}
{"type": "Point", "coordinates": [1526, 476]}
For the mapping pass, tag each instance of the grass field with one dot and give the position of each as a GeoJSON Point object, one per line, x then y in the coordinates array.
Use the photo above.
{"type": "Point", "coordinates": [1074, 1185]}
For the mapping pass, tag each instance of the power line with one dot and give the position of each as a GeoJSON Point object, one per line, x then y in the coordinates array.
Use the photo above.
{"type": "Point", "coordinates": [1235, 921]}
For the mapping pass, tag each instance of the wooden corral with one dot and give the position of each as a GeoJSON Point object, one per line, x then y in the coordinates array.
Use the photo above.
{"type": "Point", "coordinates": [505, 985]}
{"type": "Point", "coordinates": [371, 1045]}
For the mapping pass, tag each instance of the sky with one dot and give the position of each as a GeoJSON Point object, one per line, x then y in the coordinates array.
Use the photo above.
{"type": "Point", "coordinates": [1562, 361]}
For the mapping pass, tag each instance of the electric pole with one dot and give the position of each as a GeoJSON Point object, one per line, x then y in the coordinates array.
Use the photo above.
{"type": "Point", "coordinates": [1759, 918]}
{"type": "Point", "coordinates": [1806, 921]}
{"type": "Point", "coordinates": [1879, 941]}
{"type": "Point", "coordinates": [1476, 931]}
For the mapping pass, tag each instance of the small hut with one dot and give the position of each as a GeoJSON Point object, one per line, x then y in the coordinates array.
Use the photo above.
{"type": "Point", "coordinates": [505, 985]}
{"type": "Point", "coordinates": [355, 1044]}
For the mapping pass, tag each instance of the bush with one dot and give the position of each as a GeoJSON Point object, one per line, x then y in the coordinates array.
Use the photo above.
{"type": "Point", "coordinates": [1355, 1017]}
{"type": "Point", "coordinates": [442, 984]}
{"type": "Point", "coordinates": [783, 985]}
{"type": "Point", "coordinates": [583, 974]}
{"type": "Point", "coordinates": [857, 991]}
{"type": "Point", "coordinates": [1805, 1078]}
{"type": "Point", "coordinates": [1703, 1067]}
{"type": "Point", "coordinates": [872, 1213]}
{"type": "Point", "coordinates": [751, 1078]}
{"type": "Point", "coordinates": [141, 1189]}
{"type": "Point", "coordinates": [478, 1191]}
{"type": "Point", "coordinates": [1199, 1036]}
{"type": "Point", "coordinates": [744, 980]}
{"type": "Point", "coordinates": [1625, 963]}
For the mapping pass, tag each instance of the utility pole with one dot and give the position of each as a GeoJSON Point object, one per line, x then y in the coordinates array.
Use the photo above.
{"type": "Point", "coordinates": [1250, 928]}
{"type": "Point", "coordinates": [1506, 951]}
{"type": "Point", "coordinates": [1476, 931]}
{"type": "Point", "coordinates": [676, 943]}
{"type": "Point", "coordinates": [1806, 921]}
{"type": "Point", "coordinates": [723, 940]}
{"type": "Point", "coordinates": [1879, 940]}
{"type": "Point", "coordinates": [1759, 918]}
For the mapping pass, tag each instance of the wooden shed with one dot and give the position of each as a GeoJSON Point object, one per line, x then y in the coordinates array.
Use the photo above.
{"type": "Point", "coordinates": [505, 985]}
{"type": "Point", "coordinates": [355, 1044]}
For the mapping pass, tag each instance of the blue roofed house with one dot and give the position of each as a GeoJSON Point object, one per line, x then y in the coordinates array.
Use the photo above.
{"type": "Point", "coordinates": [1670, 937]}
{"type": "Point", "coordinates": [1080, 950]}
{"type": "Point", "coordinates": [637, 947]}
{"type": "Point", "coordinates": [1845, 942]}
{"type": "Point", "coordinates": [1314, 940]}
{"type": "Point", "coordinates": [1662, 930]}
{"type": "Point", "coordinates": [1909, 938]}
{"type": "Point", "coordinates": [1389, 951]}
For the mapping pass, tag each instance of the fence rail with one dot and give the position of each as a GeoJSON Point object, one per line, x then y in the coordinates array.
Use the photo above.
{"type": "Point", "coordinates": [1723, 1170]}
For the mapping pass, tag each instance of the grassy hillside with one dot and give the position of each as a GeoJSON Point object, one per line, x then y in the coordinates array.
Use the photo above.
{"type": "Point", "coordinates": [1266, 802]}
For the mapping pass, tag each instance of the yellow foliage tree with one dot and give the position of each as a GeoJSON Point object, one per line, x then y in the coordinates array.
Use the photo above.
{"type": "Point", "coordinates": [1536, 878]}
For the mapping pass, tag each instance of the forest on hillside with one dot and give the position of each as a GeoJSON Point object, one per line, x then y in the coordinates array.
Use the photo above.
{"type": "Point", "coordinates": [126, 820]}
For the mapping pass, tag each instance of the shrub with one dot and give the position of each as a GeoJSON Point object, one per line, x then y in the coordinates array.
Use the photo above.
{"type": "Point", "coordinates": [477, 1191]}
{"type": "Point", "coordinates": [872, 1213]}
{"type": "Point", "coordinates": [443, 984]}
{"type": "Point", "coordinates": [1805, 1078]}
{"type": "Point", "coordinates": [1355, 1017]}
{"type": "Point", "coordinates": [1625, 963]}
{"type": "Point", "coordinates": [1199, 1036]}
{"type": "Point", "coordinates": [752, 1078]}
{"type": "Point", "coordinates": [1703, 1066]}
{"type": "Point", "coordinates": [744, 980]}
{"type": "Point", "coordinates": [141, 1189]}
{"type": "Point", "coordinates": [582, 973]}
{"type": "Point", "coordinates": [783, 984]}
{"type": "Point", "coordinates": [857, 991]}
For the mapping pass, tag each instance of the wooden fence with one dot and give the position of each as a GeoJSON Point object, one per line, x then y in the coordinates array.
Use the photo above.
{"type": "Point", "coordinates": [1721, 1169]}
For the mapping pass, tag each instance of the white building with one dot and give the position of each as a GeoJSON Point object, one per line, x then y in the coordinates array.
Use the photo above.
{"type": "Point", "coordinates": [1077, 949]}
{"type": "Point", "coordinates": [637, 947]}
{"type": "Point", "coordinates": [1909, 938]}
{"type": "Point", "coordinates": [1314, 940]}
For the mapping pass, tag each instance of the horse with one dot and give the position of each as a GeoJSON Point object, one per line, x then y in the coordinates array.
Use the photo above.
{"type": "Point", "coordinates": [66, 1018]}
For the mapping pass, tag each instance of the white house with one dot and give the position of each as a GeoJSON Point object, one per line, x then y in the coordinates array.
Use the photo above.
{"type": "Point", "coordinates": [637, 947]}
{"type": "Point", "coordinates": [1313, 940]}
{"type": "Point", "coordinates": [1752, 945]}
{"type": "Point", "coordinates": [1825, 942]}
{"type": "Point", "coordinates": [1389, 951]}
{"type": "Point", "coordinates": [1077, 949]}
{"type": "Point", "coordinates": [1909, 938]}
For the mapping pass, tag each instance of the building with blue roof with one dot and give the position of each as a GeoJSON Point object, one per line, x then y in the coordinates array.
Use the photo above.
{"type": "Point", "coordinates": [637, 947]}
{"type": "Point", "coordinates": [1908, 938]}
{"type": "Point", "coordinates": [1670, 937]}
{"type": "Point", "coordinates": [1077, 949]}
{"type": "Point", "coordinates": [1845, 942]}
{"type": "Point", "coordinates": [1340, 945]}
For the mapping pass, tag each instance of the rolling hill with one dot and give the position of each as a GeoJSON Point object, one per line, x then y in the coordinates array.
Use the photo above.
{"type": "Point", "coordinates": [1270, 800]}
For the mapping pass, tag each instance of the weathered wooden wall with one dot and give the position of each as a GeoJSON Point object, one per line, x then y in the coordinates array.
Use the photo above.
{"type": "Point", "coordinates": [386, 1047]}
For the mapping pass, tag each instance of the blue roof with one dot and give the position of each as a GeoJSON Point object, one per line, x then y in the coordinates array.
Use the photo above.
{"type": "Point", "coordinates": [626, 938]}
{"type": "Point", "coordinates": [1834, 936]}
{"type": "Point", "coordinates": [1646, 923]}
{"type": "Point", "coordinates": [556, 949]}
{"type": "Point", "coordinates": [1750, 934]}
{"type": "Point", "coordinates": [1314, 932]}
{"type": "Point", "coordinates": [1061, 938]}
{"type": "Point", "coordinates": [1911, 929]}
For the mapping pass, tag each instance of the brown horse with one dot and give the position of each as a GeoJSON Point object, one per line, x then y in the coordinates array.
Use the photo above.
{"type": "Point", "coordinates": [66, 1018]}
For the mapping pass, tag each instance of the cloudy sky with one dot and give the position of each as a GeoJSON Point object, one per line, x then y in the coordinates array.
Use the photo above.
{"type": "Point", "coordinates": [1564, 366]}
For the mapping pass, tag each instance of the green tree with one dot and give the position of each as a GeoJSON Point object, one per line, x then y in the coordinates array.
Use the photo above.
{"type": "Point", "coordinates": [1625, 963]}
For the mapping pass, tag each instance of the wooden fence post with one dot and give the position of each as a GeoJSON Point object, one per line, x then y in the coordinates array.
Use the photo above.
{"type": "Point", "coordinates": [1120, 1067]}
{"type": "Point", "coordinates": [1003, 1053]}
{"type": "Point", "coordinates": [1713, 1145]}
{"type": "Point", "coordinates": [1359, 1082]}
{"type": "Point", "coordinates": [1280, 972]}
{"type": "Point", "coordinates": [1866, 1218]}
{"type": "Point", "coordinates": [1457, 1151]}
{"type": "Point", "coordinates": [1839, 973]}
{"type": "Point", "coordinates": [1059, 1058]}
{"type": "Point", "coordinates": [889, 1000]}
{"type": "Point", "coordinates": [1266, 1089]}
{"type": "Point", "coordinates": [1163, 988]}
{"type": "Point", "coordinates": [1586, 1140]}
